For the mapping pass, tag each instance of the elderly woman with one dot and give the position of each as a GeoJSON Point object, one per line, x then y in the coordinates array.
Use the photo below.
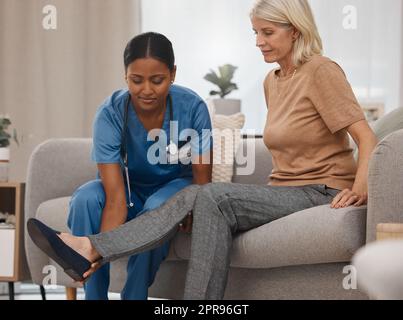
{"type": "Point", "coordinates": [311, 111]}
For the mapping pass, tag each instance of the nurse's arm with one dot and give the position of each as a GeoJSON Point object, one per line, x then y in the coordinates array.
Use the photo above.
{"type": "Point", "coordinates": [115, 211]}
{"type": "Point", "coordinates": [202, 168]}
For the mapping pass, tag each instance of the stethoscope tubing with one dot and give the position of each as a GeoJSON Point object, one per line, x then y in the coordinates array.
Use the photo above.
{"type": "Point", "coordinates": [123, 149]}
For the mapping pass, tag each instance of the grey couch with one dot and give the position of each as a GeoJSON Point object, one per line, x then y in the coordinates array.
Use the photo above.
{"type": "Point", "coordinates": [301, 256]}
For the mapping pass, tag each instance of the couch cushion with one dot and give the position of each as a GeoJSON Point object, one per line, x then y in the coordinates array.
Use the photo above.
{"type": "Point", "coordinates": [391, 122]}
{"type": "Point", "coordinates": [387, 124]}
{"type": "Point", "coordinates": [54, 213]}
{"type": "Point", "coordinates": [312, 236]}
{"type": "Point", "coordinates": [315, 235]}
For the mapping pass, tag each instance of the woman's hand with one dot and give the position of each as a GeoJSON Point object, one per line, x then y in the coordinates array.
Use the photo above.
{"type": "Point", "coordinates": [186, 224]}
{"type": "Point", "coordinates": [349, 197]}
{"type": "Point", "coordinates": [366, 141]}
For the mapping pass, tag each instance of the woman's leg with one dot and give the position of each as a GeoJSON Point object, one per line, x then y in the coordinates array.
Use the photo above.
{"type": "Point", "coordinates": [146, 232]}
{"type": "Point", "coordinates": [142, 268]}
{"type": "Point", "coordinates": [84, 218]}
{"type": "Point", "coordinates": [220, 210]}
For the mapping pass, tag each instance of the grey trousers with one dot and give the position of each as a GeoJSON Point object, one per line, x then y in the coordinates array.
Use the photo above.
{"type": "Point", "coordinates": [219, 211]}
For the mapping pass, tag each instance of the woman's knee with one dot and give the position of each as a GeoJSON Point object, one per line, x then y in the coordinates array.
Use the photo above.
{"type": "Point", "coordinates": [213, 190]}
{"type": "Point", "coordinates": [206, 196]}
{"type": "Point", "coordinates": [162, 195]}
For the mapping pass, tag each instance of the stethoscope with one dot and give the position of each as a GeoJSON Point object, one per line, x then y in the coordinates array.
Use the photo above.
{"type": "Point", "coordinates": [172, 149]}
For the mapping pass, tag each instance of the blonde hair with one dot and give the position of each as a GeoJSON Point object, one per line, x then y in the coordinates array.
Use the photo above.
{"type": "Point", "coordinates": [296, 13]}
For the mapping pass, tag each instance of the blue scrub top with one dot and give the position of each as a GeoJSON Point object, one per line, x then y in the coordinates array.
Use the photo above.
{"type": "Point", "coordinates": [190, 112]}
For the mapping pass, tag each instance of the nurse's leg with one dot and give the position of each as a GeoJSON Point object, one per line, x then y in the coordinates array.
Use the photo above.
{"type": "Point", "coordinates": [84, 219]}
{"type": "Point", "coordinates": [142, 268]}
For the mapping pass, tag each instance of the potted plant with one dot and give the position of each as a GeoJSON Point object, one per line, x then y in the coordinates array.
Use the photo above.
{"type": "Point", "coordinates": [223, 81]}
{"type": "Point", "coordinates": [5, 138]}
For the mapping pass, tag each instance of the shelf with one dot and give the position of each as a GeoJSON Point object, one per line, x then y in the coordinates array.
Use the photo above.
{"type": "Point", "coordinates": [13, 262]}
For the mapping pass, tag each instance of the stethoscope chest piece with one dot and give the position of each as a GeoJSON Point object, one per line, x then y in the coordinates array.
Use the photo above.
{"type": "Point", "coordinates": [172, 149]}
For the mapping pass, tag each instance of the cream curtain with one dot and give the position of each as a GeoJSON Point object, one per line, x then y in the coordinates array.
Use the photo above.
{"type": "Point", "coordinates": [53, 80]}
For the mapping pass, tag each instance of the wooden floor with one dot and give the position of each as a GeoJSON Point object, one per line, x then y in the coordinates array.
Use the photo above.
{"type": "Point", "coordinates": [27, 291]}
{"type": "Point", "coordinates": [32, 292]}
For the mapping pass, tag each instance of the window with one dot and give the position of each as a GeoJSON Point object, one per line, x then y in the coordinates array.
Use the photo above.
{"type": "Point", "coordinates": [209, 33]}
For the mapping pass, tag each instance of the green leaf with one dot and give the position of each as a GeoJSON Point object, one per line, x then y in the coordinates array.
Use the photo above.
{"type": "Point", "coordinates": [214, 93]}
{"type": "Point", "coordinates": [212, 77]}
{"type": "Point", "coordinates": [4, 135]}
{"type": "Point", "coordinates": [4, 143]}
{"type": "Point", "coordinates": [230, 88]}
{"type": "Point", "coordinates": [227, 72]}
{"type": "Point", "coordinates": [223, 80]}
{"type": "Point", "coordinates": [5, 122]}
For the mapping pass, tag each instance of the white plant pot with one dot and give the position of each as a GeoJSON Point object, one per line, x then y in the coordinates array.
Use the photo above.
{"type": "Point", "coordinates": [227, 106]}
{"type": "Point", "coordinates": [4, 164]}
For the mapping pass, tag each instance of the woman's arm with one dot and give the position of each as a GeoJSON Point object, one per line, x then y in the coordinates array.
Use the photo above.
{"type": "Point", "coordinates": [366, 141]}
{"type": "Point", "coordinates": [115, 210]}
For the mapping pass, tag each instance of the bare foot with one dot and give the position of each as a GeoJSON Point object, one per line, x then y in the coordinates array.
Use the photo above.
{"type": "Point", "coordinates": [82, 245]}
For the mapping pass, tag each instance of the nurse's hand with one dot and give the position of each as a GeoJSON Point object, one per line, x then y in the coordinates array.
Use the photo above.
{"type": "Point", "coordinates": [94, 267]}
{"type": "Point", "coordinates": [186, 224]}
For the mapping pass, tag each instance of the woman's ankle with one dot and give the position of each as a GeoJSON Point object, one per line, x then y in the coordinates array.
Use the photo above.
{"type": "Point", "coordinates": [93, 253]}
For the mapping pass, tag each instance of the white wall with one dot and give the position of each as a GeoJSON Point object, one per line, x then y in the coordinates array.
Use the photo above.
{"type": "Point", "coordinates": [208, 33]}
{"type": "Point", "coordinates": [401, 57]}
{"type": "Point", "coordinates": [371, 55]}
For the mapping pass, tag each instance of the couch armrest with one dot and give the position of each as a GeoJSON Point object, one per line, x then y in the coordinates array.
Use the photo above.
{"type": "Point", "coordinates": [385, 184]}
{"type": "Point", "coordinates": [55, 169]}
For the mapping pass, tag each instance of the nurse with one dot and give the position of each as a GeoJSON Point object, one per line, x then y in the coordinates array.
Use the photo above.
{"type": "Point", "coordinates": [129, 124]}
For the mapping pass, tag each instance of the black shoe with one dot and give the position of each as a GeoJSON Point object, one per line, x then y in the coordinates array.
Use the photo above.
{"type": "Point", "coordinates": [74, 264]}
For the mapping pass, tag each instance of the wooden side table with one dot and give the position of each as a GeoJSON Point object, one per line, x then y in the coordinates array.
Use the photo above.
{"type": "Point", "coordinates": [13, 261]}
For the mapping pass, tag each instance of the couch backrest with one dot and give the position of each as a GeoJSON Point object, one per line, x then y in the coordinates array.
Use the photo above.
{"type": "Point", "coordinates": [253, 162]}
{"type": "Point", "coordinates": [390, 122]}
{"type": "Point", "coordinates": [55, 169]}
